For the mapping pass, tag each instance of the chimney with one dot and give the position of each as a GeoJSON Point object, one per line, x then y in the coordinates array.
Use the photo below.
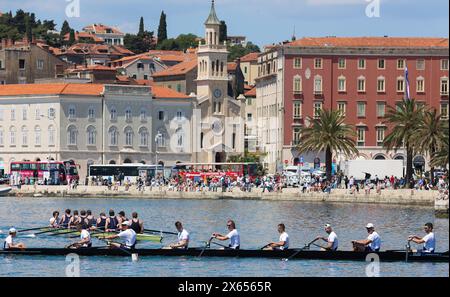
{"type": "Point", "coordinates": [3, 44]}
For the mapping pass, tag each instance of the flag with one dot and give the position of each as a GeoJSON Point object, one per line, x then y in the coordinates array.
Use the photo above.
{"type": "Point", "coordinates": [407, 94]}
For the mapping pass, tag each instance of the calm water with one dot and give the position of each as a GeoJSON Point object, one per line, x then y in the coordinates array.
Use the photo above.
{"type": "Point", "coordinates": [256, 221]}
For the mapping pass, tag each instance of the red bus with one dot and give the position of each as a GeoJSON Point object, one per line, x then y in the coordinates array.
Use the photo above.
{"type": "Point", "coordinates": [51, 173]}
{"type": "Point", "coordinates": [216, 170]}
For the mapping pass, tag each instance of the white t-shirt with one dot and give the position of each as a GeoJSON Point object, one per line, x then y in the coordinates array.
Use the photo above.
{"type": "Point", "coordinates": [376, 241]}
{"type": "Point", "coordinates": [53, 222]}
{"type": "Point", "coordinates": [430, 243]}
{"type": "Point", "coordinates": [129, 236]}
{"type": "Point", "coordinates": [235, 240]}
{"type": "Point", "coordinates": [85, 235]}
{"type": "Point", "coordinates": [183, 235]}
{"type": "Point", "coordinates": [8, 242]}
{"type": "Point", "coordinates": [284, 237]}
{"type": "Point", "coordinates": [334, 239]}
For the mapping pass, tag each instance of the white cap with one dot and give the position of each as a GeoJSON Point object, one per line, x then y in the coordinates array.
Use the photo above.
{"type": "Point", "coordinates": [370, 225]}
{"type": "Point", "coordinates": [126, 223]}
{"type": "Point", "coordinates": [12, 230]}
{"type": "Point", "coordinates": [327, 226]}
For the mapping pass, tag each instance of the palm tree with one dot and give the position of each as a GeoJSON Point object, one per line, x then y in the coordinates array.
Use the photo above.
{"type": "Point", "coordinates": [429, 135]}
{"type": "Point", "coordinates": [440, 157]}
{"type": "Point", "coordinates": [405, 119]}
{"type": "Point", "coordinates": [328, 133]}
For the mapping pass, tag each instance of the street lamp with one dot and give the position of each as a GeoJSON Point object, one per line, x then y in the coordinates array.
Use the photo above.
{"type": "Point", "coordinates": [158, 138]}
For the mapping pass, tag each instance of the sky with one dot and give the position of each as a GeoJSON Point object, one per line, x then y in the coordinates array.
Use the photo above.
{"type": "Point", "coordinates": [264, 22]}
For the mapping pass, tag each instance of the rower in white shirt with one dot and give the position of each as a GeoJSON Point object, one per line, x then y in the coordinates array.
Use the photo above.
{"type": "Point", "coordinates": [183, 237]}
{"type": "Point", "coordinates": [9, 241]}
{"type": "Point", "coordinates": [371, 244]}
{"type": "Point", "coordinates": [233, 236]}
{"type": "Point", "coordinates": [428, 241]}
{"type": "Point", "coordinates": [54, 220]}
{"type": "Point", "coordinates": [127, 235]}
{"type": "Point", "coordinates": [85, 237]}
{"type": "Point", "coordinates": [283, 242]}
{"type": "Point", "coordinates": [331, 240]}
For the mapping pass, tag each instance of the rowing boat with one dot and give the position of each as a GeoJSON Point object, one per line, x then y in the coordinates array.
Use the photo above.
{"type": "Point", "coordinates": [139, 237]}
{"type": "Point", "coordinates": [384, 256]}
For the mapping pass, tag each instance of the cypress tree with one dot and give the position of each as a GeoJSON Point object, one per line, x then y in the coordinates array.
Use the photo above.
{"type": "Point", "coordinates": [223, 31]}
{"type": "Point", "coordinates": [72, 37]}
{"type": "Point", "coordinates": [141, 27]}
{"type": "Point", "coordinates": [65, 28]}
{"type": "Point", "coordinates": [162, 29]}
{"type": "Point", "coordinates": [28, 30]}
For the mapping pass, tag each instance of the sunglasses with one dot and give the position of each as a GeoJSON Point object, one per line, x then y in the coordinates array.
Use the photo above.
{"type": "Point", "coordinates": [228, 225]}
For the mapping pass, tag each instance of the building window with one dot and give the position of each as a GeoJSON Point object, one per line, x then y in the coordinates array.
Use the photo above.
{"type": "Point", "coordinates": [91, 113]}
{"type": "Point", "coordinates": [51, 135]}
{"type": "Point", "coordinates": [40, 64]}
{"type": "Point", "coordinates": [180, 137]}
{"type": "Point", "coordinates": [24, 114]}
{"type": "Point", "coordinates": [1, 114]}
{"type": "Point", "coordinates": [113, 136]}
{"type": "Point", "coordinates": [37, 114]}
{"type": "Point", "coordinates": [51, 113]}
{"type": "Point", "coordinates": [129, 136]}
{"type": "Point", "coordinates": [380, 135]}
{"type": "Point", "coordinates": [420, 84]}
{"type": "Point", "coordinates": [318, 63]}
{"type": "Point", "coordinates": [444, 64]}
{"type": "Point", "coordinates": [13, 114]}
{"type": "Point", "coordinates": [161, 115]}
{"type": "Point", "coordinates": [24, 136]}
{"type": "Point", "coordinates": [161, 141]}
{"type": "Point", "coordinates": [180, 116]}
{"type": "Point", "coordinates": [297, 84]}
{"type": "Point", "coordinates": [361, 63]}
{"type": "Point", "coordinates": [444, 86]}
{"type": "Point", "coordinates": [361, 136]}
{"type": "Point", "coordinates": [361, 109]}
{"type": "Point", "coordinates": [12, 136]}
{"type": "Point", "coordinates": [444, 111]}
{"type": "Point", "coordinates": [342, 84]}
{"type": "Point", "coordinates": [342, 107]}
{"type": "Point", "coordinates": [143, 115]}
{"type": "Point", "coordinates": [400, 64]}
{"type": "Point", "coordinates": [361, 84]}
{"type": "Point", "coordinates": [341, 63]}
{"type": "Point", "coordinates": [420, 64]}
{"type": "Point", "coordinates": [400, 84]}
{"type": "Point", "coordinates": [233, 140]}
{"type": "Point", "coordinates": [113, 114]}
{"type": "Point", "coordinates": [317, 109]}
{"type": "Point", "coordinates": [37, 136]}
{"type": "Point", "coordinates": [296, 137]}
{"type": "Point", "coordinates": [381, 84]}
{"type": "Point", "coordinates": [140, 65]}
{"type": "Point", "coordinates": [143, 137]}
{"type": "Point", "coordinates": [217, 107]}
{"type": "Point", "coordinates": [298, 63]}
{"type": "Point", "coordinates": [72, 135]}
{"type": "Point", "coordinates": [21, 64]}
{"type": "Point", "coordinates": [318, 84]}
{"type": "Point", "coordinates": [72, 112]}
{"type": "Point", "coordinates": [297, 109]}
{"type": "Point", "coordinates": [381, 64]}
{"type": "Point", "coordinates": [381, 109]}
{"type": "Point", "coordinates": [128, 114]}
{"type": "Point", "coordinates": [178, 88]}
{"type": "Point", "coordinates": [91, 135]}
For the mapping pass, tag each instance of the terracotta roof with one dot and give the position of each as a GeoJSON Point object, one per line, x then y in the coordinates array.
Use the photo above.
{"type": "Point", "coordinates": [51, 89]}
{"type": "Point", "coordinates": [252, 57]}
{"type": "Point", "coordinates": [179, 69]}
{"type": "Point", "coordinates": [166, 93]}
{"type": "Point", "coordinates": [251, 93]}
{"type": "Point", "coordinates": [96, 49]}
{"type": "Point", "coordinates": [231, 66]}
{"type": "Point", "coordinates": [79, 35]}
{"type": "Point", "coordinates": [370, 42]}
{"type": "Point", "coordinates": [164, 52]}
{"type": "Point", "coordinates": [91, 67]}
{"type": "Point", "coordinates": [101, 29]}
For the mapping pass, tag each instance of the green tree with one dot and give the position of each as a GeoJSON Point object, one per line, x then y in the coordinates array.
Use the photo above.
{"type": "Point", "coordinates": [162, 28]}
{"type": "Point", "coordinates": [141, 27]}
{"type": "Point", "coordinates": [185, 41]}
{"type": "Point", "coordinates": [72, 37]}
{"type": "Point", "coordinates": [223, 31]}
{"type": "Point", "coordinates": [328, 133]}
{"type": "Point", "coordinates": [238, 51]}
{"type": "Point", "coordinates": [405, 120]}
{"type": "Point", "coordinates": [28, 30]}
{"type": "Point", "coordinates": [250, 157]}
{"type": "Point", "coordinates": [440, 157]}
{"type": "Point", "coordinates": [65, 28]}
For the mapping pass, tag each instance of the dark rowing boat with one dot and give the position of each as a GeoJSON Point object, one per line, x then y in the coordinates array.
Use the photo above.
{"type": "Point", "coordinates": [195, 252]}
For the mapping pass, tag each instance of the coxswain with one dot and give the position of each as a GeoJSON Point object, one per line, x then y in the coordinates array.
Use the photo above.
{"type": "Point", "coordinates": [183, 237]}
{"type": "Point", "coordinates": [75, 220]}
{"type": "Point", "coordinates": [101, 221]}
{"type": "Point", "coordinates": [85, 237]}
{"type": "Point", "coordinates": [127, 235]}
{"type": "Point", "coordinates": [9, 241]}
{"type": "Point", "coordinates": [428, 241]}
{"type": "Point", "coordinates": [371, 244]}
{"type": "Point", "coordinates": [331, 240]}
{"type": "Point", "coordinates": [111, 223]}
{"type": "Point", "coordinates": [137, 224]}
{"type": "Point", "coordinates": [54, 220]}
{"type": "Point", "coordinates": [282, 243]}
{"type": "Point", "coordinates": [233, 236]}
{"type": "Point", "coordinates": [65, 219]}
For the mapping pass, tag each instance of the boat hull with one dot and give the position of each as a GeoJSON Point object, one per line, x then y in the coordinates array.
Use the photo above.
{"type": "Point", "coordinates": [5, 191]}
{"type": "Point", "coordinates": [387, 256]}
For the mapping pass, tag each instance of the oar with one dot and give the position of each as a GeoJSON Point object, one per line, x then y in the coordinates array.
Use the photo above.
{"type": "Point", "coordinates": [32, 229]}
{"type": "Point", "coordinates": [408, 248]}
{"type": "Point", "coordinates": [63, 233]}
{"type": "Point", "coordinates": [265, 246]}
{"type": "Point", "coordinates": [227, 247]}
{"type": "Point", "coordinates": [306, 247]}
{"type": "Point", "coordinates": [162, 232]}
{"type": "Point", "coordinates": [134, 256]}
{"type": "Point", "coordinates": [207, 245]}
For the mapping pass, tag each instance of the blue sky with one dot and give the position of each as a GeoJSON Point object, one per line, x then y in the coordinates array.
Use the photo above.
{"type": "Point", "coordinates": [262, 21]}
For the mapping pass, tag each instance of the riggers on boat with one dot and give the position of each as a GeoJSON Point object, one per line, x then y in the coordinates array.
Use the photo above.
{"type": "Point", "coordinates": [71, 232]}
{"type": "Point", "coordinates": [383, 256]}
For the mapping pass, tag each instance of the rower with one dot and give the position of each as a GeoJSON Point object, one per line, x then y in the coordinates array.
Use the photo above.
{"type": "Point", "coordinates": [127, 235]}
{"type": "Point", "coordinates": [183, 237]}
{"type": "Point", "coordinates": [83, 217]}
{"type": "Point", "coordinates": [65, 220]}
{"type": "Point", "coordinates": [9, 241]}
{"type": "Point", "coordinates": [111, 222]}
{"type": "Point", "coordinates": [331, 240]}
{"type": "Point", "coordinates": [54, 220]}
{"type": "Point", "coordinates": [90, 219]}
{"type": "Point", "coordinates": [85, 237]}
{"type": "Point", "coordinates": [137, 224]}
{"type": "Point", "coordinates": [282, 243]}
{"type": "Point", "coordinates": [371, 244]}
{"type": "Point", "coordinates": [233, 236]}
{"type": "Point", "coordinates": [101, 221]}
{"type": "Point", "coordinates": [74, 220]}
{"type": "Point", "coordinates": [428, 241]}
{"type": "Point", "coordinates": [121, 218]}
